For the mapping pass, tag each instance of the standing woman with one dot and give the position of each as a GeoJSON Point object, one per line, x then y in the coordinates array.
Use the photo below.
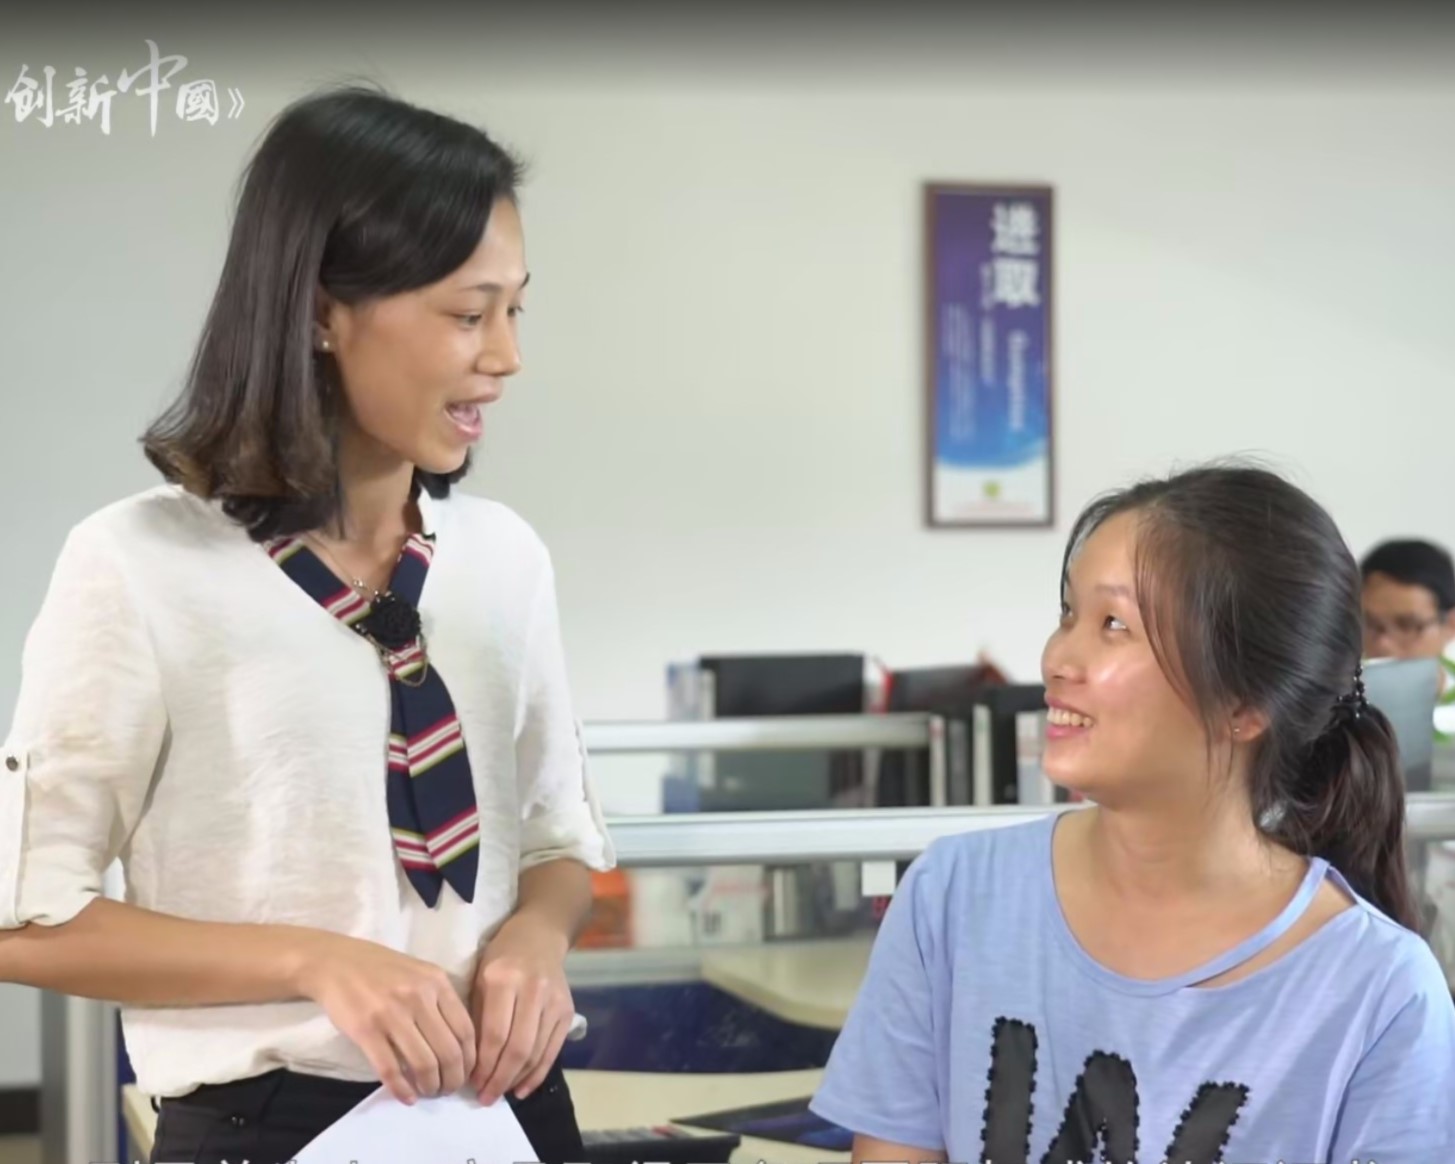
{"type": "Point", "coordinates": [313, 698]}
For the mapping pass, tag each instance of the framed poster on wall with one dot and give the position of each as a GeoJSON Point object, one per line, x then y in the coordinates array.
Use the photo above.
{"type": "Point", "coordinates": [988, 319]}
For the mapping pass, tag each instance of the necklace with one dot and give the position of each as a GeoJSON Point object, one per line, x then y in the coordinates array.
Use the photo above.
{"type": "Point", "coordinates": [364, 589]}
{"type": "Point", "coordinates": [391, 624]}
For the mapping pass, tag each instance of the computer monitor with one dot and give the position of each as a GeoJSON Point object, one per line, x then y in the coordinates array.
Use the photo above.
{"type": "Point", "coordinates": [1406, 691]}
{"type": "Point", "coordinates": [751, 686]}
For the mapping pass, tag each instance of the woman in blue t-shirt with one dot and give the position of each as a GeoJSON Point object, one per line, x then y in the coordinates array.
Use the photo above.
{"type": "Point", "coordinates": [1217, 960]}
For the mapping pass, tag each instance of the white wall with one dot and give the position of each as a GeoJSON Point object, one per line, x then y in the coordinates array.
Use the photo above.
{"type": "Point", "coordinates": [720, 429]}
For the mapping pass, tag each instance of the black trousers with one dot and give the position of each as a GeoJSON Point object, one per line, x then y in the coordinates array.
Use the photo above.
{"type": "Point", "coordinates": [268, 1119]}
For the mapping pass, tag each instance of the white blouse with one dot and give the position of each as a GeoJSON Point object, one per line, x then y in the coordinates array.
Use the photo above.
{"type": "Point", "coordinates": [187, 708]}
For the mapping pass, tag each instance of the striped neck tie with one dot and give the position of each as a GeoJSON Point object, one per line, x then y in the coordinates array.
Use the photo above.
{"type": "Point", "coordinates": [429, 788]}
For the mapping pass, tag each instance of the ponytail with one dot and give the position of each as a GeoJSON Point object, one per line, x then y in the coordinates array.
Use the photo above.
{"type": "Point", "coordinates": [1348, 806]}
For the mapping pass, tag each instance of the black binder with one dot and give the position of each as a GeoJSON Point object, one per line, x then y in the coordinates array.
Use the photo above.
{"type": "Point", "coordinates": [952, 693]}
{"type": "Point", "coordinates": [995, 767]}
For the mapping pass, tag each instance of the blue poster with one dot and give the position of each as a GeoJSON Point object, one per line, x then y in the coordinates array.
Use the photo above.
{"type": "Point", "coordinates": [990, 355]}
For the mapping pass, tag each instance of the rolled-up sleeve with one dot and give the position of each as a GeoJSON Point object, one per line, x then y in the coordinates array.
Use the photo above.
{"type": "Point", "coordinates": [561, 814]}
{"type": "Point", "coordinates": [88, 728]}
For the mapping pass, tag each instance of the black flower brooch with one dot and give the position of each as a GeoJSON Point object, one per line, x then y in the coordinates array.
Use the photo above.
{"type": "Point", "coordinates": [393, 622]}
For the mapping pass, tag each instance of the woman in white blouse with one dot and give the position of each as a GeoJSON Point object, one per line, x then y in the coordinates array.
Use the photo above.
{"type": "Point", "coordinates": [313, 699]}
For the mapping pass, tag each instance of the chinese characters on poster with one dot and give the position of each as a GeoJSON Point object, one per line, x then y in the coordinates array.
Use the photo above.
{"type": "Point", "coordinates": [989, 258]}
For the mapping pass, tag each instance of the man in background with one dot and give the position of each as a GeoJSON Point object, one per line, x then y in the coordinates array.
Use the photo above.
{"type": "Point", "coordinates": [1409, 613]}
{"type": "Point", "coordinates": [1409, 601]}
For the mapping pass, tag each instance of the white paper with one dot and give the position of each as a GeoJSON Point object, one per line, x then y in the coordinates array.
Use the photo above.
{"type": "Point", "coordinates": [447, 1129]}
{"type": "Point", "coordinates": [879, 878]}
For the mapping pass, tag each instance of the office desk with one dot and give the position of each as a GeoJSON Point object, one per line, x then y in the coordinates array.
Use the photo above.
{"type": "Point", "coordinates": [811, 983]}
{"type": "Point", "coordinates": [609, 1099]}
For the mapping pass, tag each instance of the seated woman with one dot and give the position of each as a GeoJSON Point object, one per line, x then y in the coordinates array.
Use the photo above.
{"type": "Point", "coordinates": [1217, 960]}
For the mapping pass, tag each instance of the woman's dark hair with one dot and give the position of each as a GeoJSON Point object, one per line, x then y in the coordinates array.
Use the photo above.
{"type": "Point", "coordinates": [366, 196]}
{"type": "Point", "coordinates": [1251, 599]}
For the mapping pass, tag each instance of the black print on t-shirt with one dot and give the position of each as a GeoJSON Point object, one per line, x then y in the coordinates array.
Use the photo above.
{"type": "Point", "coordinates": [1101, 1115]}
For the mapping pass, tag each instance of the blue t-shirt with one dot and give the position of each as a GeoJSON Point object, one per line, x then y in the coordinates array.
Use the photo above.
{"type": "Point", "coordinates": [983, 1029]}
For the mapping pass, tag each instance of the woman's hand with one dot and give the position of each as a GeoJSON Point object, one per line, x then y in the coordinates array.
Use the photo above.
{"type": "Point", "coordinates": [401, 1012]}
{"type": "Point", "coordinates": [521, 1005]}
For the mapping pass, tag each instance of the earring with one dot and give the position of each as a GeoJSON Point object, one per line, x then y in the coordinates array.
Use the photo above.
{"type": "Point", "coordinates": [326, 345]}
